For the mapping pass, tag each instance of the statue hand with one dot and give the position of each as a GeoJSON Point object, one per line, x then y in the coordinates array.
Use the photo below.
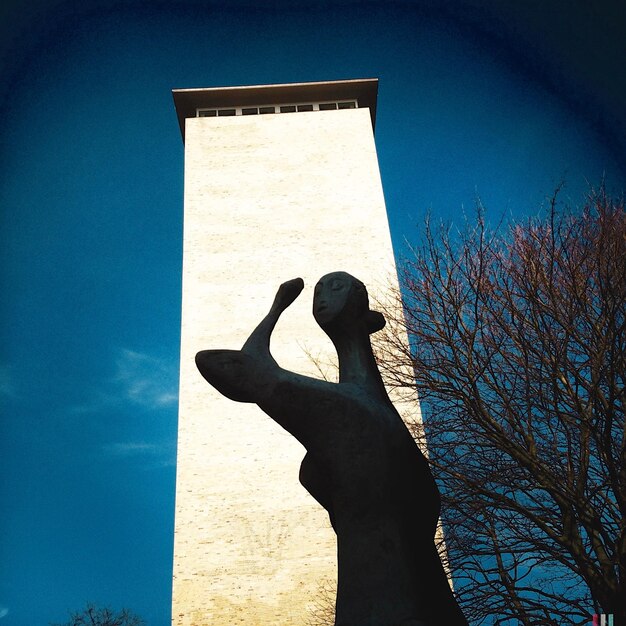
{"type": "Point", "coordinates": [286, 294]}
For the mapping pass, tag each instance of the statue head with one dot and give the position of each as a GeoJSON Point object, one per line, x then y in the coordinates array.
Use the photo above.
{"type": "Point", "coordinates": [340, 302]}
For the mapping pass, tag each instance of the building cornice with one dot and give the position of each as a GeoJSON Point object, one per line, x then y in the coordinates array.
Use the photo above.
{"type": "Point", "coordinates": [188, 101]}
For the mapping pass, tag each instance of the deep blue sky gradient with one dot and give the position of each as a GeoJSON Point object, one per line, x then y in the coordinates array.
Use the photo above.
{"type": "Point", "coordinates": [91, 166]}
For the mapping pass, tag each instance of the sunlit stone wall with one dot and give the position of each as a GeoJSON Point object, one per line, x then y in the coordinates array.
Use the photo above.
{"type": "Point", "coordinates": [267, 198]}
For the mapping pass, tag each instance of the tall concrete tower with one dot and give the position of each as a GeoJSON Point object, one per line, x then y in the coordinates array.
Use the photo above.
{"type": "Point", "coordinates": [280, 181]}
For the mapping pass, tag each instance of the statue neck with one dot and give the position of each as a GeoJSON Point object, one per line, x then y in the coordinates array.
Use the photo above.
{"type": "Point", "coordinates": [357, 364]}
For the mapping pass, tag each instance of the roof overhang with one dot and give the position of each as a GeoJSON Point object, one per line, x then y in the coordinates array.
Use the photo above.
{"type": "Point", "coordinates": [364, 91]}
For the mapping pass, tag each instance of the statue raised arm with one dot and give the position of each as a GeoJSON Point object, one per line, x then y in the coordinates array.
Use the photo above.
{"type": "Point", "coordinates": [361, 465]}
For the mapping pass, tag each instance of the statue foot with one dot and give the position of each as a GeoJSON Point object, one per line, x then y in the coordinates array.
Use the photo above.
{"type": "Point", "coordinates": [232, 372]}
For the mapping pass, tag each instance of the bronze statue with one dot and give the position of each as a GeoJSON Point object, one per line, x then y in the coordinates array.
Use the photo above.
{"type": "Point", "coordinates": [361, 465]}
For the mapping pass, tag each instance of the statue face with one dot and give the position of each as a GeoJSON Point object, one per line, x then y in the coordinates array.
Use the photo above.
{"type": "Point", "coordinates": [331, 296]}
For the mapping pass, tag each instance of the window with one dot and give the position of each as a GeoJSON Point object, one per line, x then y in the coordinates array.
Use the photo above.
{"type": "Point", "coordinates": [282, 108]}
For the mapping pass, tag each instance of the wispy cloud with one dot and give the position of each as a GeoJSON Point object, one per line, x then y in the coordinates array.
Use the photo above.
{"type": "Point", "coordinates": [139, 379]}
{"type": "Point", "coordinates": [131, 448]}
{"type": "Point", "coordinates": [146, 380]}
{"type": "Point", "coordinates": [158, 455]}
{"type": "Point", "coordinates": [7, 390]}
{"type": "Point", "coordinates": [4, 611]}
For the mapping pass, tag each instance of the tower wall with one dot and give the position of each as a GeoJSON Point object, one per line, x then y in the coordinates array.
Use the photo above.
{"type": "Point", "coordinates": [267, 198]}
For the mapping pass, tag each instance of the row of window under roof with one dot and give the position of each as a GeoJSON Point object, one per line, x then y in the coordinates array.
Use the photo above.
{"type": "Point", "coordinates": [278, 108]}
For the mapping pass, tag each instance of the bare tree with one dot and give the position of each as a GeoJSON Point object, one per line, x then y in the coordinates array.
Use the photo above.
{"type": "Point", "coordinates": [322, 610]}
{"type": "Point", "coordinates": [518, 348]}
{"type": "Point", "coordinates": [93, 616]}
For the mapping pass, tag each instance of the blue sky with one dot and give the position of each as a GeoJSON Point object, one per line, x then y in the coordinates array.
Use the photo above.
{"type": "Point", "coordinates": [474, 99]}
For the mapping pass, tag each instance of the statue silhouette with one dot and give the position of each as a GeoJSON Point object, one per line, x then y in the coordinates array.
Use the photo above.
{"type": "Point", "coordinates": [361, 465]}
